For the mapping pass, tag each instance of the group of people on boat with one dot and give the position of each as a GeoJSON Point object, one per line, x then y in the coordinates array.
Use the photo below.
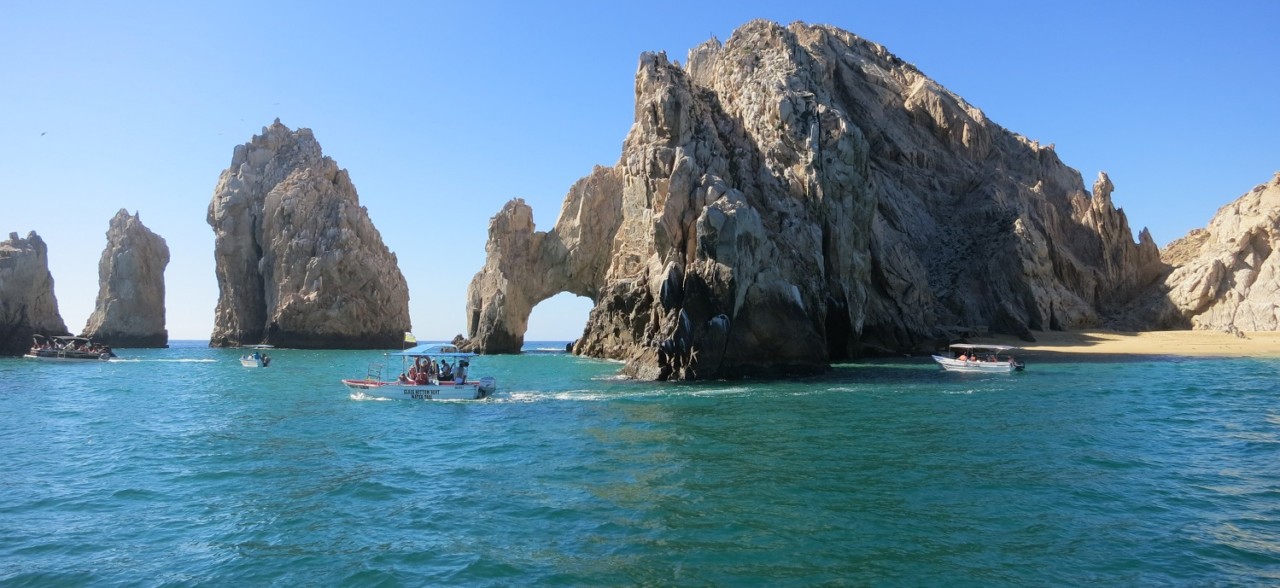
{"type": "Point", "coordinates": [427, 370]}
{"type": "Point", "coordinates": [78, 346]}
{"type": "Point", "coordinates": [974, 357]}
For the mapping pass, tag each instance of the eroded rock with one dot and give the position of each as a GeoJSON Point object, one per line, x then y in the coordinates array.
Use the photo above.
{"type": "Point", "coordinates": [130, 309]}
{"type": "Point", "coordinates": [299, 263]}
{"type": "Point", "coordinates": [27, 303]}
{"type": "Point", "coordinates": [1227, 276]}
{"type": "Point", "coordinates": [799, 195]}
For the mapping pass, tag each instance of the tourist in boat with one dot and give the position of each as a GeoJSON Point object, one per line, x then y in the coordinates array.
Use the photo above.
{"type": "Point", "coordinates": [417, 373]}
{"type": "Point", "coordinates": [461, 376]}
{"type": "Point", "coordinates": [424, 369]}
{"type": "Point", "coordinates": [446, 370]}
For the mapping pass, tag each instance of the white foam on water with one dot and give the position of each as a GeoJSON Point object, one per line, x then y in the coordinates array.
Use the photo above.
{"type": "Point", "coordinates": [163, 361]}
{"type": "Point", "coordinates": [584, 395]}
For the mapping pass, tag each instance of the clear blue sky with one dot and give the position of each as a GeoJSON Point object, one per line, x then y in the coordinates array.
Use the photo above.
{"type": "Point", "coordinates": [442, 113]}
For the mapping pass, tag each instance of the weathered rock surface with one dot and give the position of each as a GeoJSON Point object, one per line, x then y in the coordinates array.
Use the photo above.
{"type": "Point", "coordinates": [130, 307]}
{"type": "Point", "coordinates": [1227, 275]}
{"type": "Point", "coordinates": [27, 303]}
{"type": "Point", "coordinates": [298, 261]}
{"type": "Point", "coordinates": [799, 195]}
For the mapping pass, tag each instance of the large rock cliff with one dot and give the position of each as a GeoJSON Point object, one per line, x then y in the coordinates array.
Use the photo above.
{"type": "Point", "coordinates": [27, 303]}
{"type": "Point", "coordinates": [1226, 276]}
{"type": "Point", "coordinates": [799, 195]}
{"type": "Point", "coordinates": [130, 307]}
{"type": "Point", "coordinates": [298, 261]}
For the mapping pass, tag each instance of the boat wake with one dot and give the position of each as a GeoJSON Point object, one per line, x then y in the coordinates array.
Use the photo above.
{"type": "Point", "coordinates": [585, 395]}
{"type": "Point", "coordinates": [164, 360]}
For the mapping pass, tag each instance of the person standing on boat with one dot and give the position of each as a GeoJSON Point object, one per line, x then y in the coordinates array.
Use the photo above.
{"type": "Point", "coordinates": [462, 371]}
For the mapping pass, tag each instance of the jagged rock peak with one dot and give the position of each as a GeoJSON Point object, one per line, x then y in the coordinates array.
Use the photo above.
{"type": "Point", "coordinates": [298, 261]}
{"type": "Point", "coordinates": [130, 308]}
{"type": "Point", "coordinates": [1227, 275]}
{"type": "Point", "coordinates": [27, 303]}
{"type": "Point", "coordinates": [798, 195]}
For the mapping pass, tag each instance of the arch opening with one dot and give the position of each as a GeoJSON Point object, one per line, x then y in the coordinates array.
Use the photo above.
{"type": "Point", "coordinates": [559, 320]}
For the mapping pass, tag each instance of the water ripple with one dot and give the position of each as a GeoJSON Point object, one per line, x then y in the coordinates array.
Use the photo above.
{"type": "Point", "coordinates": [180, 467]}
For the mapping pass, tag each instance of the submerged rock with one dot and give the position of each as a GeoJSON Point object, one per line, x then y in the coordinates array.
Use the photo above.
{"type": "Point", "coordinates": [130, 308]}
{"type": "Point", "coordinates": [299, 263]}
{"type": "Point", "coordinates": [799, 195]}
{"type": "Point", "coordinates": [27, 303]}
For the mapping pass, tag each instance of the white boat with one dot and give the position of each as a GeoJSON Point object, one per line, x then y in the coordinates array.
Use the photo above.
{"type": "Point", "coordinates": [983, 359]}
{"type": "Point", "coordinates": [256, 359]}
{"type": "Point", "coordinates": [68, 348]}
{"type": "Point", "coordinates": [423, 376]}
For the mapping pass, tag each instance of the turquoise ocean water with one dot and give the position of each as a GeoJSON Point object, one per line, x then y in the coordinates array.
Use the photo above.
{"type": "Point", "coordinates": [178, 467]}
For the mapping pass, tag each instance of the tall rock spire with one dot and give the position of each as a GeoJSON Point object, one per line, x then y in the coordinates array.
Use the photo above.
{"type": "Point", "coordinates": [130, 308]}
{"type": "Point", "coordinates": [299, 263]}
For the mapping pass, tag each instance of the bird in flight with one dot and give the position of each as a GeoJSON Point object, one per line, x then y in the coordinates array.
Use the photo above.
{"type": "Point", "coordinates": [44, 133]}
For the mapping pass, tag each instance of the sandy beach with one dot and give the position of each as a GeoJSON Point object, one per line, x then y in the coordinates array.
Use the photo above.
{"type": "Point", "coordinates": [1129, 345]}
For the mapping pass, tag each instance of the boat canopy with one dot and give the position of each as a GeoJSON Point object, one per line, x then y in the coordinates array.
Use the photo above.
{"type": "Point", "coordinates": [68, 338]}
{"type": "Point", "coordinates": [972, 346]}
{"type": "Point", "coordinates": [434, 350]}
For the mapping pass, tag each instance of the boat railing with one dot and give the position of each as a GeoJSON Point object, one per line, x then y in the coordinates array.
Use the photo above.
{"type": "Point", "coordinates": [374, 373]}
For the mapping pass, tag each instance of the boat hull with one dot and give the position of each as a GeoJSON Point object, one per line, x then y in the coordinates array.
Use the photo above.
{"type": "Point", "coordinates": [977, 367]}
{"type": "Point", "coordinates": [81, 356]}
{"type": "Point", "coordinates": [250, 362]}
{"type": "Point", "coordinates": [441, 391]}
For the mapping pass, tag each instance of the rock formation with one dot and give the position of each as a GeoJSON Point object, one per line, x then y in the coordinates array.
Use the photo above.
{"type": "Point", "coordinates": [799, 195]}
{"type": "Point", "coordinates": [130, 307]}
{"type": "Point", "coordinates": [299, 263]}
{"type": "Point", "coordinates": [1227, 276]}
{"type": "Point", "coordinates": [27, 303]}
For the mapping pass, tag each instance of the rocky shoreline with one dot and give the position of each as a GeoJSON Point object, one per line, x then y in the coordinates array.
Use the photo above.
{"type": "Point", "coordinates": [792, 197]}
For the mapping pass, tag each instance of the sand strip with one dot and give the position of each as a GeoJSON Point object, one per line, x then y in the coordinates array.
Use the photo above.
{"type": "Point", "coordinates": [1119, 345]}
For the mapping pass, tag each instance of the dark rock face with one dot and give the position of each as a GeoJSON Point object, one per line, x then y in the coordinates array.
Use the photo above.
{"type": "Point", "coordinates": [27, 303]}
{"type": "Point", "coordinates": [130, 308]}
{"type": "Point", "coordinates": [299, 263]}
{"type": "Point", "coordinates": [799, 195]}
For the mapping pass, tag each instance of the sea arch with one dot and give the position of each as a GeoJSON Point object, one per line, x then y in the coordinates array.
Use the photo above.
{"type": "Point", "coordinates": [524, 266]}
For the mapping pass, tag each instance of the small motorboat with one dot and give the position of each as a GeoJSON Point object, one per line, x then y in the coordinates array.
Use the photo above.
{"type": "Point", "coordinates": [438, 372]}
{"type": "Point", "coordinates": [982, 359]}
{"type": "Point", "coordinates": [255, 360]}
